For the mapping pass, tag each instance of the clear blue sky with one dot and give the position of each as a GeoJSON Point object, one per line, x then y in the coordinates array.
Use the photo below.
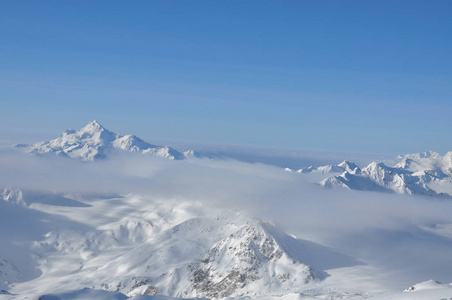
{"type": "Point", "coordinates": [359, 76]}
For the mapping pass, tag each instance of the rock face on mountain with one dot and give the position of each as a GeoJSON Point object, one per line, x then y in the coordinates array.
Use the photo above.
{"type": "Point", "coordinates": [94, 141]}
{"type": "Point", "coordinates": [428, 174]}
{"type": "Point", "coordinates": [235, 260]}
{"type": "Point", "coordinates": [245, 261]}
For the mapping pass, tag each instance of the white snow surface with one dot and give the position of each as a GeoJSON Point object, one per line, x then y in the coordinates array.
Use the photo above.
{"type": "Point", "coordinates": [94, 141]}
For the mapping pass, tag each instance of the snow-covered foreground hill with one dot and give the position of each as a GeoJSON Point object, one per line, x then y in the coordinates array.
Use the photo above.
{"type": "Point", "coordinates": [139, 246]}
{"type": "Point", "coordinates": [141, 227]}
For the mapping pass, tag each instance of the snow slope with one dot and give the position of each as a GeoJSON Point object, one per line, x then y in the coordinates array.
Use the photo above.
{"type": "Point", "coordinates": [94, 141]}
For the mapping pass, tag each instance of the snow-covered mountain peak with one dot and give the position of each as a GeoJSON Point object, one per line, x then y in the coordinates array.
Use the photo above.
{"type": "Point", "coordinates": [344, 163]}
{"type": "Point", "coordinates": [349, 167]}
{"type": "Point", "coordinates": [447, 161]}
{"type": "Point", "coordinates": [130, 143]}
{"type": "Point", "coordinates": [93, 126]}
{"type": "Point", "coordinates": [405, 163]}
{"type": "Point", "coordinates": [95, 141]}
{"type": "Point", "coordinates": [249, 259]}
{"type": "Point", "coordinates": [374, 166]}
{"type": "Point", "coordinates": [92, 133]}
{"type": "Point", "coordinates": [340, 168]}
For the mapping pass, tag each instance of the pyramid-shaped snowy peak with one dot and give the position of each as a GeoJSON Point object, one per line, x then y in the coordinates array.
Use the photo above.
{"type": "Point", "coordinates": [95, 141]}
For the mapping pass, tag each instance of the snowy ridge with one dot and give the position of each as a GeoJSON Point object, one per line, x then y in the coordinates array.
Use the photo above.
{"type": "Point", "coordinates": [419, 156]}
{"type": "Point", "coordinates": [344, 166]}
{"type": "Point", "coordinates": [428, 174]}
{"type": "Point", "coordinates": [94, 141]}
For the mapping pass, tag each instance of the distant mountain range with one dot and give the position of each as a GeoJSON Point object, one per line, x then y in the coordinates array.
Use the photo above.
{"type": "Point", "coordinates": [342, 167]}
{"type": "Point", "coordinates": [426, 173]}
{"type": "Point", "coordinates": [94, 141]}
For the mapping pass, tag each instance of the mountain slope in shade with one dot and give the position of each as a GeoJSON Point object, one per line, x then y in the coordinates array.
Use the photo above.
{"type": "Point", "coordinates": [428, 174]}
{"type": "Point", "coordinates": [94, 141]}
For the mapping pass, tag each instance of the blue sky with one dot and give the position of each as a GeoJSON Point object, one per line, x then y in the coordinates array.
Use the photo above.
{"type": "Point", "coordinates": [348, 76]}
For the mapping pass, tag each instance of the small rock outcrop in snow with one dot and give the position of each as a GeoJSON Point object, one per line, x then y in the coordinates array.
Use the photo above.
{"type": "Point", "coordinates": [94, 141]}
{"type": "Point", "coordinates": [427, 285]}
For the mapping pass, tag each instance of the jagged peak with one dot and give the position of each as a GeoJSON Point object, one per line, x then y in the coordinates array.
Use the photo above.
{"type": "Point", "coordinates": [349, 164]}
{"type": "Point", "coordinates": [93, 127]}
{"type": "Point", "coordinates": [94, 123]}
{"type": "Point", "coordinates": [344, 163]}
{"type": "Point", "coordinates": [404, 163]}
{"type": "Point", "coordinates": [375, 165]}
